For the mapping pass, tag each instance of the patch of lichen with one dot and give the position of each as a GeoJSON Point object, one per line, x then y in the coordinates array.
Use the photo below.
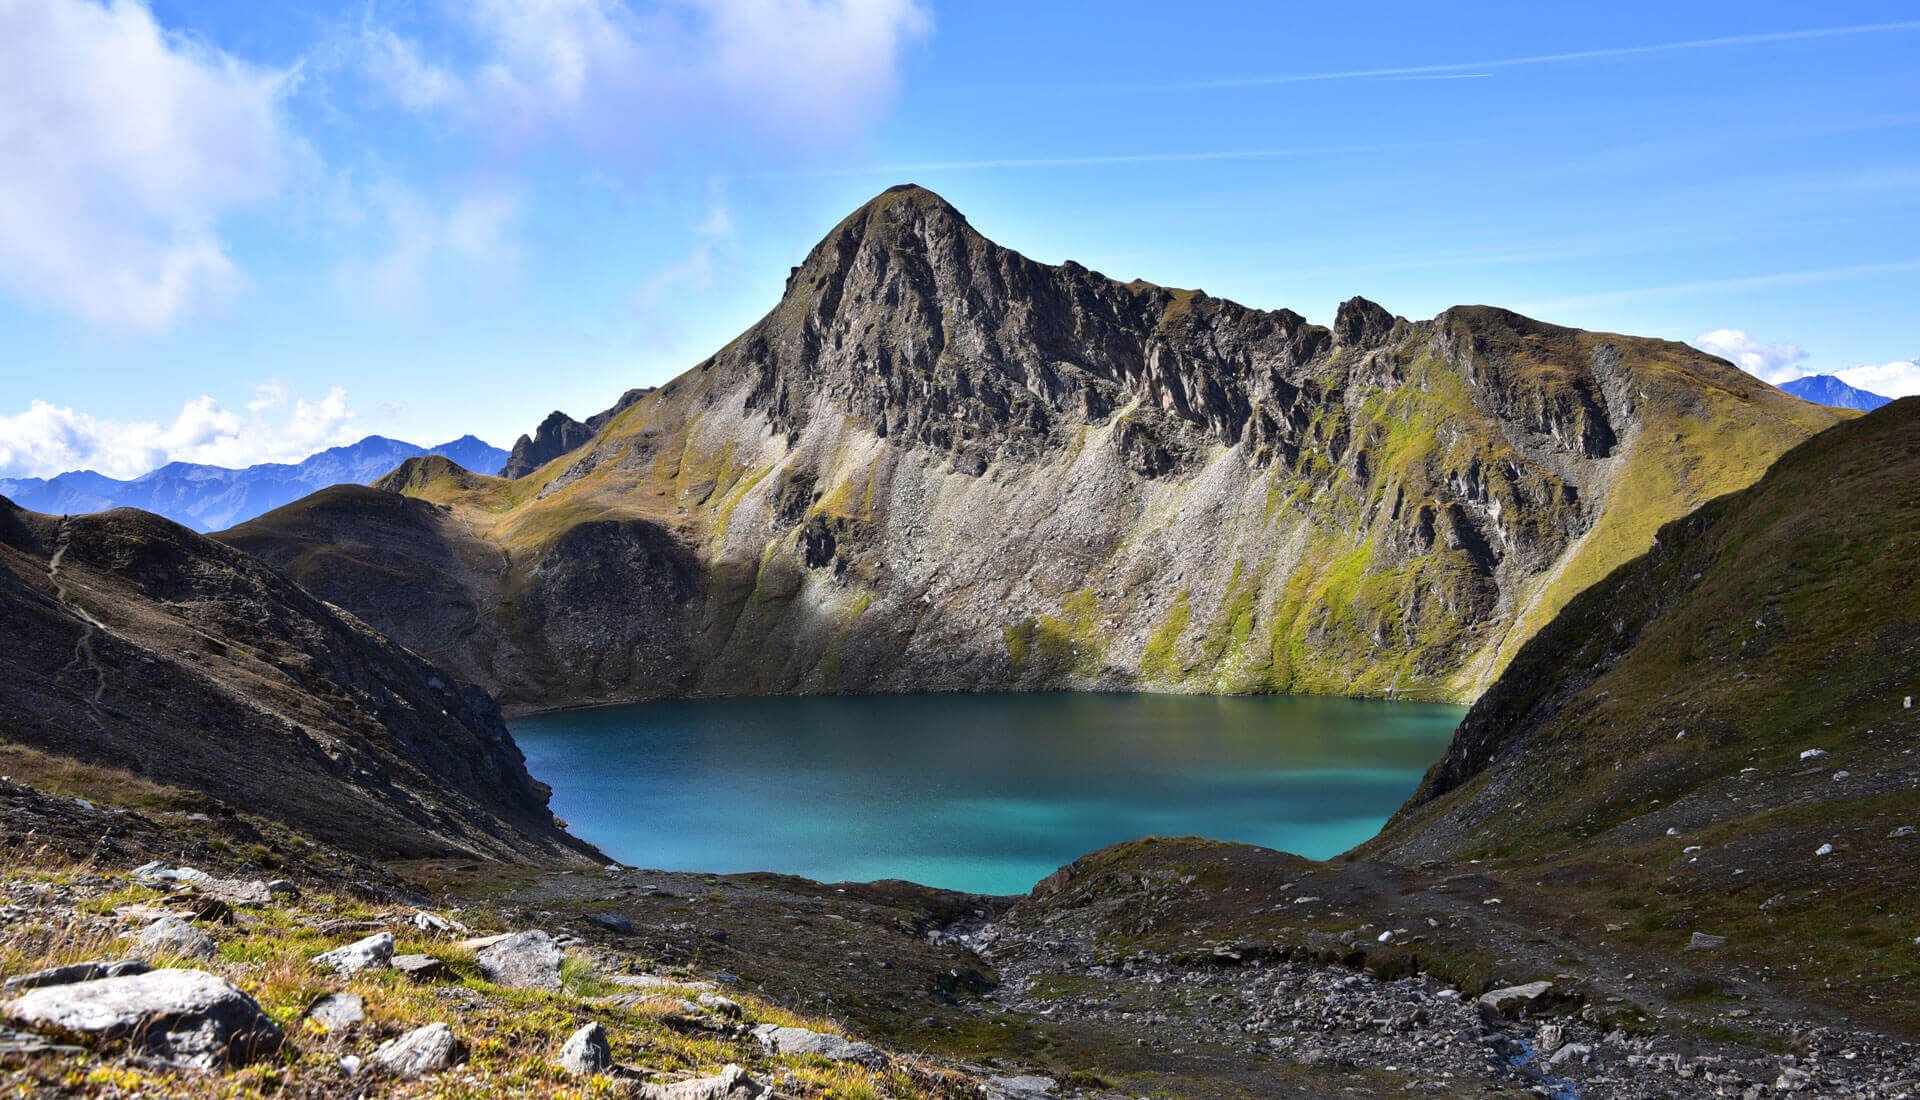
{"type": "Point", "coordinates": [1160, 661]}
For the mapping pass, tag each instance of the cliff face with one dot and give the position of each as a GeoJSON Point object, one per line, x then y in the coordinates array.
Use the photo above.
{"type": "Point", "coordinates": [940, 465]}
{"type": "Point", "coordinates": [1773, 621]}
{"type": "Point", "coordinates": [133, 643]}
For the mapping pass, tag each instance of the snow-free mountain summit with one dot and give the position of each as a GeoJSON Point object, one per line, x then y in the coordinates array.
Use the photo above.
{"type": "Point", "coordinates": [938, 465]}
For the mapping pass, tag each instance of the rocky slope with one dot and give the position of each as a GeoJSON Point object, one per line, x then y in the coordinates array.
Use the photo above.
{"type": "Point", "coordinates": [940, 465]}
{"type": "Point", "coordinates": [557, 436]}
{"type": "Point", "coordinates": [206, 497]}
{"type": "Point", "coordinates": [132, 643]}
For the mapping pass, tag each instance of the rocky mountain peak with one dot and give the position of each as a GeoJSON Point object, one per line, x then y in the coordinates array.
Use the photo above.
{"type": "Point", "coordinates": [1362, 323]}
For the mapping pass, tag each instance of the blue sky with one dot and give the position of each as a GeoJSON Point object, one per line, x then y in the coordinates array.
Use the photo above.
{"type": "Point", "coordinates": [237, 231]}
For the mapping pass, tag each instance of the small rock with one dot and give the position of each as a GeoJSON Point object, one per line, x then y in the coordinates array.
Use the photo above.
{"type": "Point", "coordinates": [433, 922]}
{"type": "Point", "coordinates": [1811, 753]}
{"type": "Point", "coordinates": [1571, 1051]}
{"type": "Point", "coordinates": [234, 891]}
{"type": "Point", "coordinates": [612, 922]}
{"type": "Point", "coordinates": [1823, 850]}
{"type": "Point", "coordinates": [1904, 830]}
{"type": "Point", "coordinates": [184, 1017]}
{"type": "Point", "coordinates": [1511, 999]}
{"type": "Point", "coordinates": [350, 1064]}
{"type": "Point", "coordinates": [373, 953]}
{"type": "Point", "coordinates": [1703, 942]}
{"type": "Point", "coordinates": [799, 1040]}
{"type": "Point", "coordinates": [173, 936]}
{"type": "Point", "coordinates": [25, 1044]}
{"type": "Point", "coordinates": [524, 960]}
{"type": "Point", "coordinates": [422, 968]}
{"type": "Point", "coordinates": [419, 1052]}
{"type": "Point", "coordinates": [159, 873]}
{"type": "Point", "coordinates": [76, 972]}
{"type": "Point", "coordinates": [333, 1011]}
{"type": "Point", "coordinates": [715, 1003]}
{"type": "Point", "coordinates": [732, 1084]}
{"type": "Point", "coordinates": [1022, 1087]}
{"type": "Point", "coordinates": [586, 1052]}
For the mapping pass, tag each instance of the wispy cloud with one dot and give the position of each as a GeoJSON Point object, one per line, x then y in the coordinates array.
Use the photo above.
{"type": "Point", "coordinates": [1155, 158]}
{"type": "Point", "coordinates": [1567, 57]}
{"type": "Point", "coordinates": [1745, 282]}
{"type": "Point", "coordinates": [641, 75]}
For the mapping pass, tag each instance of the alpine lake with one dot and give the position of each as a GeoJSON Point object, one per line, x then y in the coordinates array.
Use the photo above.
{"type": "Point", "coordinates": [979, 793]}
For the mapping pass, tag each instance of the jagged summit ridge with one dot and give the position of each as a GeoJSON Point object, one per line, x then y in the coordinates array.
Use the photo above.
{"type": "Point", "coordinates": [938, 464]}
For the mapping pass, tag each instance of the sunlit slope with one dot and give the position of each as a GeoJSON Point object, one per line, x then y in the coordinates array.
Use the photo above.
{"type": "Point", "coordinates": [939, 465]}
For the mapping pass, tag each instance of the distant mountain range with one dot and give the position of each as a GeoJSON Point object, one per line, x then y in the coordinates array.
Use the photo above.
{"type": "Point", "coordinates": [1825, 389]}
{"type": "Point", "coordinates": [208, 498]}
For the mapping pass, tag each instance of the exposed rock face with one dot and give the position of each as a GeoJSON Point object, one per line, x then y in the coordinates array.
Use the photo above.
{"type": "Point", "coordinates": [732, 1083]}
{"type": "Point", "coordinates": [800, 1040]}
{"type": "Point", "coordinates": [1771, 620]}
{"type": "Point", "coordinates": [557, 435]}
{"type": "Point", "coordinates": [560, 434]}
{"type": "Point", "coordinates": [186, 1017]}
{"type": "Point", "coordinates": [940, 465]}
{"type": "Point", "coordinates": [173, 936]}
{"type": "Point", "coordinates": [133, 643]}
{"type": "Point", "coordinates": [524, 960]}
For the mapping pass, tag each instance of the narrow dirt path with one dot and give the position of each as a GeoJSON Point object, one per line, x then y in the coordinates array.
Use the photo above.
{"type": "Point", "coordinates": [84, 659]}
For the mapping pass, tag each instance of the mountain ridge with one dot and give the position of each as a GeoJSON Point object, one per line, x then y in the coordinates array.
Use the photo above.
{"type": "Point", "coordinates": [1826, 389]}
{"type": "Point", "coordinates": [137, 644]}
{"type": "Point", "coordinates": [939, 464]}
{"type": "Point", "coordinates": [206, 497]}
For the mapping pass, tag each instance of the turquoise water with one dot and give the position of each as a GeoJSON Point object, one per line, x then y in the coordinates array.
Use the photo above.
{"type": "Point", "coordinates": [985, 793]}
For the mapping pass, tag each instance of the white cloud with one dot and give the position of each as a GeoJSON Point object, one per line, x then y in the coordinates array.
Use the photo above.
{"type": "Point", "coordinates": [633, 74]}
{"type": "Point", "coordinates": [424, 241]}
{"type": "Point", "coordinates": [1769, 362]}
{"type": "Point", "coordinates": [693, 271]}
{"type": "Point", "coordinates": [124, 145]}
{"type": "Point", "coordinates": [49, 439]}
{"type": "Point", "coordinates": [1897, 379]}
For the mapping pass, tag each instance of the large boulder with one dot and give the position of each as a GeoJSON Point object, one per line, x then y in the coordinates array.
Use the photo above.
{"type": "Point", "coordinates": [1514, 999]}
{"type": "Point", "coordinates": [76, 972]}
{"type": "Point", "coordinates": [524, 960]}
{"type": "Point", "coordinates": [183, 1017]}
{"type": "Point", "coordinates": [732, 1083]}
{"type": "Point", "coordinates": [373, 953]}
{"type": "Point", "coordinates": [419, 1052]}
{"type": "Point", "coordinates": [835, 1048]}
{"type": "Point", "coordinates": [175, 937]}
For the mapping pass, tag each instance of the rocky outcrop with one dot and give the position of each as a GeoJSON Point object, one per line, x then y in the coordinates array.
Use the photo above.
{"type": "Point", "coordinates": [422, 1051]}
{"type": "Point", "coordinates": [1744, 636]}
{"type": "Point", "coordinates": [557, 435]}
{"type": "Point", "coordinates": [137, 645]}
{"type": "Point", "coordinates": [524, 960]}
{"type": "Point", "coordinates": [560, 434]}
{"type": "Point", "coordinates": [937, 464]}
{"type": "Point", "coordinates": [183, 1017]}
